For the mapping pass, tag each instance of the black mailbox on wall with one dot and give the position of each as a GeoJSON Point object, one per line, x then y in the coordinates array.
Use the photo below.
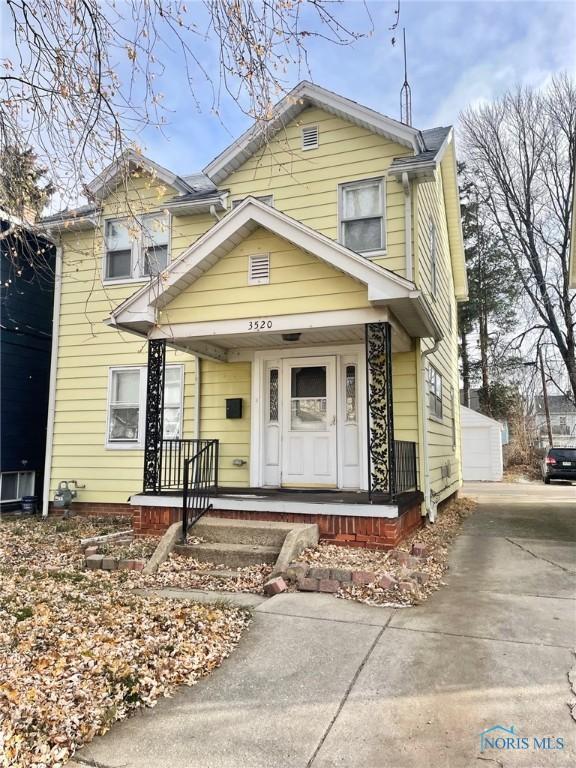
{"type": "Point", "coordinates": [234, 408]}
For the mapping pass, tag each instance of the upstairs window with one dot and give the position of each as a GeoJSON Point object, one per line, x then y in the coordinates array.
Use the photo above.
{"type": "Point", "coordinates": [434, 392]}
{"type": "Point", "coordinates": [118, 250]}
{"type": "Point", "coordinates": [136, 249]}
{"type": "Point", "coordinates": [362, 216]}
{"type": "Point", "coordinates": [154, 246]}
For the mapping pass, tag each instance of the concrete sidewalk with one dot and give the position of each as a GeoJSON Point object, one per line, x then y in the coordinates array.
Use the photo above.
{"type": "Point", "coordinates": [319, 682]}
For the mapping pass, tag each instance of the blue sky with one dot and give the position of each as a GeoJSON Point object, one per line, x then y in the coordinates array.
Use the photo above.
{"type": "Point", "coordinates": [460, 52]}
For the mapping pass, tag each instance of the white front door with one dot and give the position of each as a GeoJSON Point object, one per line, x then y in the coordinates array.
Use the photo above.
{"type": "Point", "coordinates": [309, 457]}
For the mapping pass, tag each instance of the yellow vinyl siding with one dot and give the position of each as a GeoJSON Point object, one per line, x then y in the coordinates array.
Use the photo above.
{"type": "Point", "coordinates": [405, 395]}
{"type": "Point", "coordinates": [430, 204]}
{"type": "Point", "coordinates": [299, 282]}
{"type": "Point", "coordinates": [220, 381]}
{"type": "Point", "coordinates": [305, 184]}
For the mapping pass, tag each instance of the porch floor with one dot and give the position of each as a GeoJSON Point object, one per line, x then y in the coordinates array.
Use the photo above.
{"type": "Point", "coordinates": [302, 495]}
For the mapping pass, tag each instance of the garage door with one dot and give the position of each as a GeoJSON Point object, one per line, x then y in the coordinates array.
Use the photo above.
{"type": "Point", "coordinates": [476, 460]}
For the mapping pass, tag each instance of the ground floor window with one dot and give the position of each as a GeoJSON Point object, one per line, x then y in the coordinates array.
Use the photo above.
{"type": "Point", "coordinates": [435, 392]}
{"type": "Point", "coordinates": [127, 405]}
{"type": "Point", "coordinates": [14, 485]}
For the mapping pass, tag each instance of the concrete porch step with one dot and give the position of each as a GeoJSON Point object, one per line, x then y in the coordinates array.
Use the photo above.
{"type": "Point", "coordinates": [229, 555]}
{"type": "Point", "coordinates": [228, 531]}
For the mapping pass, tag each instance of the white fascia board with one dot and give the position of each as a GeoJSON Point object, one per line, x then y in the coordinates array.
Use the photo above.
{"type": "Point", "coordinates": [302, 96]}
{"type": "Point", "coordinates": [382, 284]}
{"type": "Point", "coordinates": [101, 185]}
{"type": "Point", "coordinates": [456, 238]}
{"type": "Point", "coordinates": [71, 224]}
{"type": "Point", "coordinates": [185, 207]}
{"type": "Point", "coordinates": [282, 323]}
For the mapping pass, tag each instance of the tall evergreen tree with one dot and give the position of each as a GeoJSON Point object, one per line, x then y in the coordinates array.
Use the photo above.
{"type": "Point", "coordinates": [491, 308]}
{"type": "Point", "coordinates": [24, 190]}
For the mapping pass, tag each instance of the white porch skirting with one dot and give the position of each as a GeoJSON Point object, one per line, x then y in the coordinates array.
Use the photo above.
{"type": "Point", "coordinates": [252, 503]}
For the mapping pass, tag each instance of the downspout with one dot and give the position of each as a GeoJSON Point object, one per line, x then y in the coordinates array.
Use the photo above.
{"type": "Point", "coordinates": [52, 386]}
{"type": "Point", "coordinates": [408, 225]}
{"type": "Point", "coordinates": [197, 382]}
{"type": "Point", "coordinates": [430, 506]}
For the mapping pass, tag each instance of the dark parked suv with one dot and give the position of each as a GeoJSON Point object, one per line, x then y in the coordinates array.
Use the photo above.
{"type": "Point", "coordinates": [559, 464]}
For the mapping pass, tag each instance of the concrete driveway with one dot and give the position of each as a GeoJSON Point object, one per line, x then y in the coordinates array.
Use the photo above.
{"type": "Point", "coordinates": [325, 683]}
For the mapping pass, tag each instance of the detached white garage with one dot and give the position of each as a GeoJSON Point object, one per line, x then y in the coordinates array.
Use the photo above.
{"type": "Point", "coordinates": [481, 446]}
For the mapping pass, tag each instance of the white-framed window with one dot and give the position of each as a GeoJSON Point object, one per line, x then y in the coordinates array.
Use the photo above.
{"type": "Point", "coordinates": [135, 249]}
{"type": "Point", "coordinates": [266, 199]}
{"type": "Point", "coordinates": [434, 392]}
{"type": "Point", "coordinates": [127, 405]}
{"type": "Point", "coordinates": [433, 257]}
{"type": "Point", "coordinates": [362, 214]}
{"type": "Point", "coordinates": [14, 485]}
{"type": "Point", "coordinates": [155, 228]}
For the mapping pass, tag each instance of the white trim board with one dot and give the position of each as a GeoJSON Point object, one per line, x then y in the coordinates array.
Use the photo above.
{"type": "Point", "coordinates": [259, 504]}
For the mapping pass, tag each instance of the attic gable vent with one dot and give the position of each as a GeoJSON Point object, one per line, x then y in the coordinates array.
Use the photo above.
{"type": "Point", "coordinates": [310, 137]}
{"type": "Point", "coordinates": [259, 269]}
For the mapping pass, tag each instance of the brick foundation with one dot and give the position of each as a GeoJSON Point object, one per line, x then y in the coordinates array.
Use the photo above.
{"type": "Point", "coordinates": [96, 509]}
{"type": "Point", "coordinates": [345, 530]}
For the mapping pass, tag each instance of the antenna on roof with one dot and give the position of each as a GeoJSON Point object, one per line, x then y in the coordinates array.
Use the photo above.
{"type": "Point", "coordinates": [405, 92]}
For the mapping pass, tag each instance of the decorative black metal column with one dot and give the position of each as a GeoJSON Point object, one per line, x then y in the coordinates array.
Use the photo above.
{"type": "Point", "coordinates": [380, 421]}
{"type": "Point", "coordinates": [154, 415]}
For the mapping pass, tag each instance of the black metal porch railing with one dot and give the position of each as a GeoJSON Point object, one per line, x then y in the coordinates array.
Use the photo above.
{"type": "Point", "coordinates": [200, 477]}
{"type": "Point", "coordinates": [174, 453]}
{"type": "Point", "coordinates": [405, 466]}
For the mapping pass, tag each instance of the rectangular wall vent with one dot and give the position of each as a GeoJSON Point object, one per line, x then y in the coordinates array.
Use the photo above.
{"type": "Point", "coordinates": [259, 269]}
{"type": "Point", "coordinates": [310, 137]}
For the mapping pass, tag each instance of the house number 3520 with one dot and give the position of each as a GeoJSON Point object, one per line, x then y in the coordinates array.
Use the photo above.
{"type": "Point", "coordinates": [259, 325]}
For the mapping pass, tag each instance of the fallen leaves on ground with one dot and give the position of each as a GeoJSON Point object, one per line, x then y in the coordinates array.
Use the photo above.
{"type": "Point", "coordinates": [80, 650]}
{"type": "Point", "coordinates": [181, 572]}
{"type": "Point", "coordinates": [522, 473]}
{"type": "Point", "coordinates": [437, 536]}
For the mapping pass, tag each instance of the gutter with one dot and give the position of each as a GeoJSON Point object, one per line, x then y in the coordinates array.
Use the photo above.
{"type": "Point", "coordinates": [52, 389]}
{"type": "Point", "coordinates": [430, 506]}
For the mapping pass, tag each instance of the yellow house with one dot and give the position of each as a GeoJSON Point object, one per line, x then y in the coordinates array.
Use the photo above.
{"type": "Point", "coordinates": [280, 328]}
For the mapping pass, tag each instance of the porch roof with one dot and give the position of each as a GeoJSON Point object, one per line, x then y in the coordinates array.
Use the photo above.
{"type": "Point", "coordinates": [385, 289]}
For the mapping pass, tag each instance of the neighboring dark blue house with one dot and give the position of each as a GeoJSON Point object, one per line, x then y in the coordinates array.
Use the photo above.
{"type": "Point", "coordinates": [26, 298]}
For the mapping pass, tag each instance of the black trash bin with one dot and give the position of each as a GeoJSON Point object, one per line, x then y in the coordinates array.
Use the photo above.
{"type": "Point", "coordinates": [29, 504]}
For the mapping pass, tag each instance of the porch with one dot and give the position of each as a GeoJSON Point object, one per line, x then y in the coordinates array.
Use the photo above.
{"type": "Point", "coordinates": [363, 499]}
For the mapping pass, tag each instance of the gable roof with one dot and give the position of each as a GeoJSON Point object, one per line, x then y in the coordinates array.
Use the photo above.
{"type": "Point", "coordinates": [304, 95]}
{"type": "Point", "coordinates": [138, 313]}
{"type": "Point", "coordinates": [107, 180]}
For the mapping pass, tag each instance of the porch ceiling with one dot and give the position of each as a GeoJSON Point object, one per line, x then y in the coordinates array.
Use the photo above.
{"type": "Point", "coordinates": [308, 338]}
{"type": "Point", "coordinates": [227, 340]}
